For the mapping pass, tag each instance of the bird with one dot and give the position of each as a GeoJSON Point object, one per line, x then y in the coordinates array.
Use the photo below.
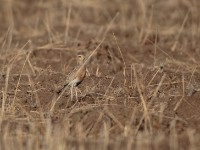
{"type": "Point", "coordinates": [73, 80]}
{"type": "Point", "coordinates": [77, 75]}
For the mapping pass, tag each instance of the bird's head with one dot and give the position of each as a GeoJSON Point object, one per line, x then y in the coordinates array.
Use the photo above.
{"type": "Point", "coordinates": [80, 59]}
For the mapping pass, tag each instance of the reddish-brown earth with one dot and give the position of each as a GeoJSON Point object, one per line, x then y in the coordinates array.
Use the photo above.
{"type": "Point", "coordinates": [142, 88]}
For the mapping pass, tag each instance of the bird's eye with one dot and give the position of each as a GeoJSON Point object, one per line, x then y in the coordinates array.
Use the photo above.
{"type": "Point", "coordinates": [80, 56]}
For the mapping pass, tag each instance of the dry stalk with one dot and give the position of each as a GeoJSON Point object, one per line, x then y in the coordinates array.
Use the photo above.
{"type": "Point", "coordinates": [67, 23]}
{"type": "Point", "coordinates": [81, 136]}
{"type": "Point", "coordinates": [17, 86]}
{"type": "Point", "coordinates": [34, 90]}
{"type": "Point", "coordinates": [146, 113]}
{"type": "Point", "coordinates": [173, 135]}
{"type": "Point", "coordinates": [124, 72]}
{"type": "Point", "coordinates": [3, 105]}
{"type": "Point", "coordinates": [153, 77]}
{"type": "Point", "coordinates": [110, 24]}
{"type": "Point", "coordinates": [183, 94]}
{"type": "Point", "coordinates": [111, 115]}
{"type": "Point", "coordinates": [140, 92]}
{"type": "Point", "coordinates": [105, 136]}
{"type": "Point", "coordinates": [180, 31]}
{"type": "Point", "coordinates": [159, 85]}
{"type": "Point", "coordinates": [47, 24]}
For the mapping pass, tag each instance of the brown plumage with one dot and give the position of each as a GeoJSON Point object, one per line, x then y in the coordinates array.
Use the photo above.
{"type": "Point", "coordinates": [77, 76]}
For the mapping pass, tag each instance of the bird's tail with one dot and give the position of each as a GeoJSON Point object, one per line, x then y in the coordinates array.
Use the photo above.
{"type": "Point", "coordinates": [60, 89]}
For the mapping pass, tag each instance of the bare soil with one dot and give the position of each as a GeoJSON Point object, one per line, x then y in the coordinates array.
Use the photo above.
{"type": "Point", "coordinates": [142, 88]}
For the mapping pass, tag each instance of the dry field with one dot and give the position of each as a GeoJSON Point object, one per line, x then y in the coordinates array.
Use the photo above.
{"type": "Point", "coordinates": [142, 89]}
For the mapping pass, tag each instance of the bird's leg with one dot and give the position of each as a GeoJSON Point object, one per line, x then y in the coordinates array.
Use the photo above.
{"type": "Point", "coordinates": [71, 90]}
{"type": "Point", "coordinates": [87, 72]}
{"type": "Point", "coordinates": [76, 93]}
{"type": "Point", "coordinates": [76, 97]}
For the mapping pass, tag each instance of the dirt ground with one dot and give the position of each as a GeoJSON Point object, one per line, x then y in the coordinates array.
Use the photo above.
{"type": "Point", "coordinates": [142, 87]}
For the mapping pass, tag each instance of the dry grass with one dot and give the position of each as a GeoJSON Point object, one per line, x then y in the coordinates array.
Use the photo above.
{"type": "Point", "coordinates": [142, 87]}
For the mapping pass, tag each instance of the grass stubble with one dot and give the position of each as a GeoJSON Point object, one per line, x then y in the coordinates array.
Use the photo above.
{"type": "Point", "coordinates": [139, 106]}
